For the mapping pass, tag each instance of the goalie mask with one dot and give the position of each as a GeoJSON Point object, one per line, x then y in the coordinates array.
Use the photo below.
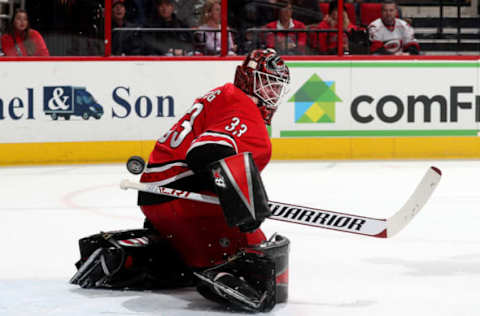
{"type": "Point", "coordinates": [264, 75]}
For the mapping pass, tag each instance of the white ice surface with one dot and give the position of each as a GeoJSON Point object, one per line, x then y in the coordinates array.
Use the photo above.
{"type": "Point", "coordinates": [430, 268]}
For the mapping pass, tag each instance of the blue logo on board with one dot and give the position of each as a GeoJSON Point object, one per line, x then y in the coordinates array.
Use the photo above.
{"type": "Point", "coordinates": [67, 101]}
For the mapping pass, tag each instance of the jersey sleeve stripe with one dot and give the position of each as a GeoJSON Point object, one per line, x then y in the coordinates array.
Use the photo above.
{"type": "Point", "coordinates": [165, 167]}
{"type": "Point", "coordinates": [152, 165]}
{"type": "Point", "coordinates": [218, 134]}
{"type": "Point", "coordinates": [207, 142]}
{"type": "Point", "coordinates": [172, 179]}
{"type": "Point", "coordinates": [210, 137]}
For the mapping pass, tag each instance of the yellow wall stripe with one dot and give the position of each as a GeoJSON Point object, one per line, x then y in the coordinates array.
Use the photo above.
{"type": "Point", "coordinates": [377, 148]}
{"type": "Point", "coordinates": [283, 149]}
{"type": "Point", "coordinates": [72, 152]}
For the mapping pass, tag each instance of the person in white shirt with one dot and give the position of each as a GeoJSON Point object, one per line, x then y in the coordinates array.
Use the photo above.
{"type": "Point", "coordinates": [211, 19]}
{"type": "Point", "coordinates": [390, 35]}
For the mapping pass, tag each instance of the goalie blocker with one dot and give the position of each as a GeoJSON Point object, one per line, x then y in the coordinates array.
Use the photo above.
{"type": "Point", "coordinates": [241, 192]}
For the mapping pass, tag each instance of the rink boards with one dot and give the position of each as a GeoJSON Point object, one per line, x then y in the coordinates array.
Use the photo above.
{"type": "Point", "coordinates": [104, 111]}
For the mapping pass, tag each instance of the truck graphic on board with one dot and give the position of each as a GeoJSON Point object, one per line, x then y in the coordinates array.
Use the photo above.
{"type": "Point", "coordinates": [65, 101]}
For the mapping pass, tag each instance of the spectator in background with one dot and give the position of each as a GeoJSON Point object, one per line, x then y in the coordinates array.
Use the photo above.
{"type": "Point", "coordinates": [169, 43]}
{"type": "Point", "coordinates": [123, 42]}
{"type": "Point", "coordinates": [190, 11]}
{"type": "Point", "coordinates": [327, 42]}
{"type": "Point", "coordinates": [390, 35]}
{"type": "Point", "coordinates": [211, 19]}
{"type": "Point", "coordinates": [21, 40]}
{"type": "Point", "coordinates": [286, 42]}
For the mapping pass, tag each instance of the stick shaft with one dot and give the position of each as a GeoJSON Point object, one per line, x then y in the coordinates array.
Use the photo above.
{"type": "Point", "coordinates": [340, 221]}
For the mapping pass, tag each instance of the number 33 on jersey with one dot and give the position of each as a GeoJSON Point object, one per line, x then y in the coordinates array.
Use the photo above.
{"type": "Point", "coordinates": [225, 116]}
{"type": "Point", "coordinates": [236, 128]}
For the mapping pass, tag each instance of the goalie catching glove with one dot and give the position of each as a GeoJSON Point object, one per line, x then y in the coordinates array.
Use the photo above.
{"type": "Point", "coordinates": [241, 192]}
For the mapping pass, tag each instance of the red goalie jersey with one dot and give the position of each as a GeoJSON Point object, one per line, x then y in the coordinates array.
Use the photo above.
{"type": "Point", "coordinates": [225, 116]}
{"type": "Point", "coordinates": [228, 118]}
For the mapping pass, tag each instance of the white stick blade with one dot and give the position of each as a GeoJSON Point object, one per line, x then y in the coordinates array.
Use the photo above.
{"type": "Point", "coordinates": [415, 203]}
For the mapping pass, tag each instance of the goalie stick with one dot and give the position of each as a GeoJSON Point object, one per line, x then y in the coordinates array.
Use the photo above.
{"type": "Point", "coordinates": [351, 223]}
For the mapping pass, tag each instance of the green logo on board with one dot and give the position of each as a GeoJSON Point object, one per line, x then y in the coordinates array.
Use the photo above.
{"type": "Point", "coordinates": [315, 101]}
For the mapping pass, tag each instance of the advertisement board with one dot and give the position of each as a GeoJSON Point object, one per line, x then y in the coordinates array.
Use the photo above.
{"type": "Point", "coordinates": [103, 111]}
{"type": "Point", "coordinates": [381, 99]}
{"type": "Point", "coordinates": [99, 101]}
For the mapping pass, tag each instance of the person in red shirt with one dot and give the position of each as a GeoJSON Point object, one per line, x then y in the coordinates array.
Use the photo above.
{"type": "Point", "coordinates": [326, 42]}
{"type": "Point", "coordinates": [21, 40]}
{"type": "Point", "coordinates": [198, 239]}
{"type": "Point", "coordinates": [286, 42]}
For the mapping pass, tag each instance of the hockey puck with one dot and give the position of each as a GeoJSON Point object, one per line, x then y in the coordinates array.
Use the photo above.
{"type": "Point", "coordinates": [135, 164]}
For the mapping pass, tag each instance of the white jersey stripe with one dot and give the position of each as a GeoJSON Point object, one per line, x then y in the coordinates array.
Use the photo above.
{"type": "Point", "coordinates": [165, 167]}
{"type": "Point", "coordinates": [214, 134]}
{"type": "Point", "coordinates": [218, 142]}
{"type": "Point", "coordinates": [210, 133]}
{"type": "Point", "coordinates": [172, 179]}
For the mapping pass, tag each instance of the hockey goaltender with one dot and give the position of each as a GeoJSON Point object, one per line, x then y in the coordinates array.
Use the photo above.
{"type": "Point", "coordinates": [218, 147]}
